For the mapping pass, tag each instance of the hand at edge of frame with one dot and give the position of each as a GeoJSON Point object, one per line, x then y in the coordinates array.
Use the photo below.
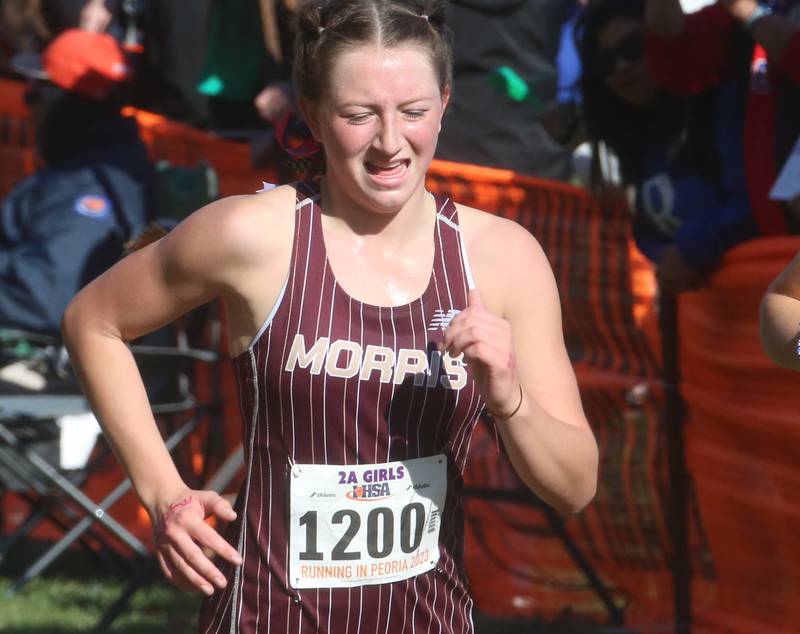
{"type": "Point", "coordinates": [740, 9]}
{"type": "Point", "coordinates": [95, 16]}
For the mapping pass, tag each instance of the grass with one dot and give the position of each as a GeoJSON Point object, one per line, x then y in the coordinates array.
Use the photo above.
{"type": "Point", "coordinates": [72, 596]}
{"type": "Point", "coordinates": [65, 606]}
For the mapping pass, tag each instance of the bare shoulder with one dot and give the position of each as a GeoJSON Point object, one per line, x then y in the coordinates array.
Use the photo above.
{"type": "Point", "coordinates": [243, 224]}
{"type": "Point", "coordinates": [484, 230]}
{"type": "Point", "coordinates": [497, 246]}
{"type": "Point", "coordinates": [232, 234]}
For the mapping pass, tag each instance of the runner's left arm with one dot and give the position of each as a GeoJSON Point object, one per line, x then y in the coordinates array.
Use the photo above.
{"type": "Point", "coordinates": [511, 334]}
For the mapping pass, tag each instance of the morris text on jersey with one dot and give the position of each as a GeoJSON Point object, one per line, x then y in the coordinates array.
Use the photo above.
{"type": "Point", "coordinates": [345, 359]}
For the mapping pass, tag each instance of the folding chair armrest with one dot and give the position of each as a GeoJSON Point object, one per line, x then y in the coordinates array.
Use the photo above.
{"type": "Point", "coordinates": [15, 334]}
{"type": "Point", "coordinates": [177, 354]}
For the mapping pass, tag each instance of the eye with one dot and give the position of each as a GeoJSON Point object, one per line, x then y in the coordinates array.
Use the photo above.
{"type": "Point", "coordinates": [357, 119]}
{"type": "Point", "coordinates": [415, 114]}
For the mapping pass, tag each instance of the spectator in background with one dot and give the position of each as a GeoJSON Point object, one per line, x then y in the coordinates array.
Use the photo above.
{"type": "Point", "coordinates": [568, 61]}
{"type": "Point", "coordinates": [68, 222]}
{"type": "Point", "coordinates": [247, 80]}
{"type": "Point", "coordinates": [22, 29]}
{"type": "Point", "coordinates": [96, 15]}
{"type": "Point", "coordinates": [246, 74]}
{"type": "Point", "coordinates": [169, 39]}
{"type": "Point", "coordinates": [682, 155]}
{"type": "Point", "coordinates": [780, 317]}
{"type": "Point", "coordinates": [164, 42]}
{"type": "Point", "coordinates": [690, 53]}
{"type": "Point", "coordinates": [504, 78]}
{"type": "Point", "coordinates": [563, 120]}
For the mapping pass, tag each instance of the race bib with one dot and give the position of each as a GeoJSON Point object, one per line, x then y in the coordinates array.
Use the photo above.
{"type": "Point", "coordinates": [356, 525]}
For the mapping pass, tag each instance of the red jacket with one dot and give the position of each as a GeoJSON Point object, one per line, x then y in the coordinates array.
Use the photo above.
{"type": "Point", "coordinates": [700, 57]}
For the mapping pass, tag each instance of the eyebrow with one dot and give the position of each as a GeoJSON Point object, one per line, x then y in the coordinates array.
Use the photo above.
{"type": "Point", "coordinates": [408, 102]}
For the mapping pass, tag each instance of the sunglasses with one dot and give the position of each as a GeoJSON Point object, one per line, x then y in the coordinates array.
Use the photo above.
{"type": "Point", "coordinates": [630, 48]}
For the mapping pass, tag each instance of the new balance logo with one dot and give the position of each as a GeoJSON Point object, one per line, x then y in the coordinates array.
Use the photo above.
{"type": "Point", "coordinates": [441, 319]}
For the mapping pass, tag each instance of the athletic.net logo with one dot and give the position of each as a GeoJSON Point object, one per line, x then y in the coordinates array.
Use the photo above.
{"type": "Point", "coordinates": [441, 319]}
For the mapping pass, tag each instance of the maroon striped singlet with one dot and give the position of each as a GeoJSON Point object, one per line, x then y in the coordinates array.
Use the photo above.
{"type": "Point", "coordinates": [298, 408]}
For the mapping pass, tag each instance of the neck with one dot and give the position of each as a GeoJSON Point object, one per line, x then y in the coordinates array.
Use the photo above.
{"type": "Point", "coordinates": [345, 214]}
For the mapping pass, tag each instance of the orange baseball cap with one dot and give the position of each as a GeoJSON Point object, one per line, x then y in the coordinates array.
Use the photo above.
{"type": "Point", "coordinates": [85, 63]}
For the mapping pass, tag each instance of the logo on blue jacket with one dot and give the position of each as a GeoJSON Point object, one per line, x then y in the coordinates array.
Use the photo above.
{"type": "Point", "coordinates": [93, 206]}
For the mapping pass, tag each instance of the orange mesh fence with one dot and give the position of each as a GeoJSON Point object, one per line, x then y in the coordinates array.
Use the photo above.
{"type": "Point", "coordinates": [743, 444]}
{"type": "Point", "coordinates": [183, 145]}
{"type": "Point", "coordinates": [17, 158]}
{"type": "Point", "coordinates": [166, 140]}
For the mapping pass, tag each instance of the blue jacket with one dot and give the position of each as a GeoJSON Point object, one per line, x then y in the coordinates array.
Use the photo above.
{"type": "Point", "coordinates": [704, 218]}
{"type": "Point", "coordinates": [68, 222]}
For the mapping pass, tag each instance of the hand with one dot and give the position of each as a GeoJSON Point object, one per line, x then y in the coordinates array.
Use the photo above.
{"type": "Point", "coordinates": [487, 345]}
{"type": "Point", "coordinates": [95, 16]}
{"type": "Point", "coordinates": [181, 533]}
{"type": "Point", "coordinates": [674, 274]}
{"type": "Point", "coordinates": [740, 9]}
{"type": "Point", "coordinates": [273, 102]}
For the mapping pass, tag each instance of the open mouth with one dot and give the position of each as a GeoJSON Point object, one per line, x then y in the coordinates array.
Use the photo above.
{"type": "Point", "coordinates": [391, 168]}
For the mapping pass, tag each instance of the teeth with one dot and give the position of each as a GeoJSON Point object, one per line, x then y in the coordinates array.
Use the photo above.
{"type": "Point", "coordinates": [389, 166]}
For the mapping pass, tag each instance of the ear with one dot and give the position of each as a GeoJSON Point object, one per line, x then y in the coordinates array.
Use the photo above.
{"type": "Point", "coordinates": [310, 112]}
{"type": "Point", "coordinates": [446, 93]}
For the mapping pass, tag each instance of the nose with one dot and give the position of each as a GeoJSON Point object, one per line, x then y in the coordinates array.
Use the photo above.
{"type": "Point", "coordinates": [387, 140]}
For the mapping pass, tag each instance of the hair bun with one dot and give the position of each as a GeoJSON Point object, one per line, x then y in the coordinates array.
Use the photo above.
{"type": "Point", "coordinates": [309, 20]}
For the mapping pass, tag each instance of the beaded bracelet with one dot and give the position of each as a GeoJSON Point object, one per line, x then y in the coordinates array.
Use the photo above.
{"type": "Point", "coordinates": [500, 419]}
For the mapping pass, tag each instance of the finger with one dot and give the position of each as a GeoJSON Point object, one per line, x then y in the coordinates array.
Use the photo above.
{"type": "Point", "coordinates": [220, 507]}
{"type": "Point", "coordinates": [474, 299]}
{"type": "Point", "coordinates": [482, 318]}
{"type": "Point", "coordinates": [211, 539]}
{"type": "Point", "coordinates": [164, 567]}
{"type": "Point", "coordinates": [184, 574]}
{"type": "Point", "coordinates": [171, 576]}
{"type": "Point", "coordinates": [477, 314]}
{"type": "Point", "coordinates": [495, 331]}
{"type": "Point", "coordinates": [467, 337]}
{"type": "Point", "coordinates": [488, 363]}
{"type": "Point", "coordinates": [192, 554]}
{"type": "Point", "coordinates": [474, 311]}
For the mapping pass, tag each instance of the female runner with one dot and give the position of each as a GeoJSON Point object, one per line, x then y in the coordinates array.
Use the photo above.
{"type": "Point", "coordinates": [370, 323]}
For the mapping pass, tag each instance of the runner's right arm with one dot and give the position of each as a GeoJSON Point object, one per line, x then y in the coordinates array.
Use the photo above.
{"type": "Point", "coordinates": [205, 257]}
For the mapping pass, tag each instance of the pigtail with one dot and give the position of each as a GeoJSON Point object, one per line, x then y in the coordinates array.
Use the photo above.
{"type": "Point", "coordinates": [308, 30]}
{"type": "Point", "coordinates": [308, 20]}
{"type": "Point", "coordinates": [434, 11]}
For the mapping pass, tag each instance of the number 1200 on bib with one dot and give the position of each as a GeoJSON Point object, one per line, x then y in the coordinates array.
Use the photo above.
{"type": "Point", "coordinates": [354, 525]}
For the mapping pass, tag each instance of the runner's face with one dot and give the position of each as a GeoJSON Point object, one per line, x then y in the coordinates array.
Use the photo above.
{"type": "Point", "coordinates": [379, 122]}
